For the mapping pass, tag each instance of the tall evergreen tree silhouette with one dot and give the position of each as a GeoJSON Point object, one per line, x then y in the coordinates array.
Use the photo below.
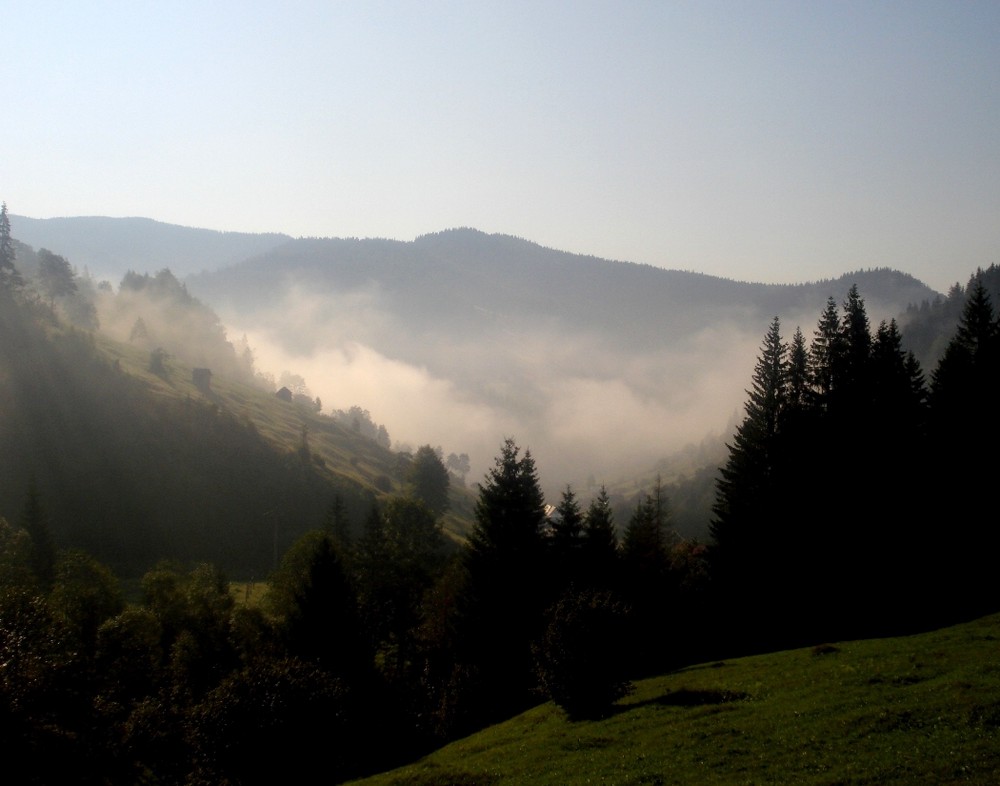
{"type": "Point", "coordinates": [600, 543]}
{"type": "Point", "coordinates": [10, 277]}
{"type": "Point", "coordinates": [748, 487]}
{"type": "Point", "coordinates": [963, 421]}
{"type": "Point", "coordinates": [749, 541]}
{"type": "Point", "coordinates": [508, 586]}
{"type": "Point", "coordinates": [567, 539]}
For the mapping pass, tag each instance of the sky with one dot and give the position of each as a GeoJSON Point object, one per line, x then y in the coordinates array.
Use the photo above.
{"type": "Point", "coordinates": [760, 141]}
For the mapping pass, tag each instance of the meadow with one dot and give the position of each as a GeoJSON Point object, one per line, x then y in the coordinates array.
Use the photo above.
{"type": "Point", "coordinates": [917, 709]}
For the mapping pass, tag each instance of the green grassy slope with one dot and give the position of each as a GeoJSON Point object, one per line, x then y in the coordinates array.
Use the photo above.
{"type": "Point", "coordinates": [338, 453]}
{"type": "Point", "coordinates": [920, 709]}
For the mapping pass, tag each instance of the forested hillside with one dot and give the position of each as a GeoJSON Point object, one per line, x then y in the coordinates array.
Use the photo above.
{"type": "Point", "coordinates": [136, 458]}
{"type": "Point", "coordinates": [136, 466]}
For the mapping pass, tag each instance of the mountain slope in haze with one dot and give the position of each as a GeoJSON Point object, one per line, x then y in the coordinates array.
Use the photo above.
{"type": "Point", "coordinates": [136, 466]}
{"type": "Point", "coordinates": [464, 280]}
{"type": "Point", "coordinates": [110, 247]}
{"type": "Point", "coordinates": [462, 338]}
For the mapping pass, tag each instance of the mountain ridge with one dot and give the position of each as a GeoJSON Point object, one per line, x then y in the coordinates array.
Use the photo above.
{"type": "Point", "coordinates": [80, 238]}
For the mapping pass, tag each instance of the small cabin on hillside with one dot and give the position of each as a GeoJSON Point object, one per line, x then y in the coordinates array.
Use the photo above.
{"type": "Point", "coordinates": [284, 394]}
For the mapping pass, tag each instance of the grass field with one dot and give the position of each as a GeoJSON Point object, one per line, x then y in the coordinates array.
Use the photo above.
{"type": "Point", "coordinates": [922, 709]}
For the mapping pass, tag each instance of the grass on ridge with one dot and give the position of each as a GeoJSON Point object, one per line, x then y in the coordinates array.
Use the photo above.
{"type": "Point", "coordinates": [920, 709]}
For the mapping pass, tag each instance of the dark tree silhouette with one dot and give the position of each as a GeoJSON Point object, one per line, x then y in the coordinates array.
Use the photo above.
{"type": "Point", "coordinates": [10, 278]}
{"type": "Point", "coordinates": [315, 601]}
{"type": "Point", "coordinates": [599, 550]}
{"type": "Point", "coordinates": [964, 423]}
{"type": "Point", "coordinates": [567, 538]}
{"type": "Point", "coordinates": [43, 549]}
{"type": "Point", "coordinates": [582, 660]}
{"type": "Point", "coordinates": [55, 276]}
{"type": "Point", "coordinates": [647, 581]}
{"type": "Point", "coordinates": [429, 480]}
{"type": "Point", "coordinates": [508, 585]}
{"type": "Point", "coordinates": [749, 488]}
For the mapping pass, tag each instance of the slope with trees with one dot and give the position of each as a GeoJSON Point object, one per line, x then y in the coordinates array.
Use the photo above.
{"type": "Point", "coordinates": [831, 505]}
{"type": "Point", "coordinates": [137, 459]}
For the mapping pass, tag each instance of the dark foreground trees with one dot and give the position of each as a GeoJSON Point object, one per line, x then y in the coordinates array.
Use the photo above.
{"type": "Point", "coordinates": [507, 587]}
{"type": "Point", "coordinates": [853, 504]}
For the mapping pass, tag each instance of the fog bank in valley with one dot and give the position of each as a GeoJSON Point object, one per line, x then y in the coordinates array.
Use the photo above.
{"type": "Point", "coordinates": [585, 407]}
{"type": "Point", "coordinates": [460, 339]}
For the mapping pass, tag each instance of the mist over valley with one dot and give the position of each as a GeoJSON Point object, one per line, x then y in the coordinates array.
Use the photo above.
{"type": "Point", "coordinates": [459, 339]}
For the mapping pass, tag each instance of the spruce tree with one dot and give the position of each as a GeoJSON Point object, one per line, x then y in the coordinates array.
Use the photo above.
{"type": "Point", "coordinates": [508, 586]}
{"type": "Point", "coordinates": [825, 353]}
{"type": "Point", "coordinates": [315, 602]}
{"type": "Point", "coordinates": [647, 585]}
{"type": "Point", "coordinates": [747, 487]}
{"type": "Point", "coordinates": [10, 278]}
{"type": "Point", "coordinates": [898, 390]}
{"type": "Point", "coordinates": [567, 538]}
{"type": "Point", "coordinates": [966, 374]}
{"type": "Point", "coordinates": [963, 420]}
{"type": "Point", "coordinates": [797, 387]}
{"type": "Point", "coordinates": [647, 538]}
{"type": "Point", "coordinates": [600, 543]}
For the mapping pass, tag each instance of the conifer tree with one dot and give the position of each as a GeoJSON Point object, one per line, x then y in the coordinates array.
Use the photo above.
{"type": "Point", "coordinates": [747, 487]}
{"type": "Point", "coordinates": [963, 420]}
{"type": "Point", "coordinates": [647, 585]}
{"type": "Point", "coordinates": [856, 333]}
{"type": "Point", "coordinates": [764, 524]}
{"type": "Point", "coordinates": [968, 367]}
{"type": "Point", "coordinates": [315, 602]}
{"type": "Point", "coordinates": [898, 388]}
{"type": "Point", "coordinates": [507, 585]}
{"type": "Point", "coordinates": [567, 537]}
{"type": "Point", "coordinates": [510, 510]}
{"type": "Point", "coordinates": [647, 537]}
{"type": "Point", "coordinates": [797, 388]}
{"type": "Point", "coordinates": [600, 543]}
{"type": "Point", "coordinates": [10, 278]}
{"type": "Point", "coordinates": [825, 353]}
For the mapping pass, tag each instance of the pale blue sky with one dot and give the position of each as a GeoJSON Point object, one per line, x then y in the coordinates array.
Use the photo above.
{"type": "Point", "coordinates": [766, 141]}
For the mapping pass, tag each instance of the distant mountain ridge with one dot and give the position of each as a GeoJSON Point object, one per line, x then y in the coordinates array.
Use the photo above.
{"type": "Point", "coordinates": [471, 278]}
{"type": "Point", "coordinates": [110, 247]}
{"type": "Point", "coordinates": [113, 246]}
{"type": "Point", "coordinates": [465, 282]}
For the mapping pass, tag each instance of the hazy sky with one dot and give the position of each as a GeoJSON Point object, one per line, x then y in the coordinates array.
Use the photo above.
{"type": "Point", "coordinates": [765, 141]}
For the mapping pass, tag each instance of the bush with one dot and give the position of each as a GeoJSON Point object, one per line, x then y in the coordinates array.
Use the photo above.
{"type": "Point", "coordinates": [581, 658]}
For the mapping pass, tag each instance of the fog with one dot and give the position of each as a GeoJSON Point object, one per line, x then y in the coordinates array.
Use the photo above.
{"type": "Point", "coordinates": [585, 407]}
{"type": "Point", "coordinates": [592, 402]}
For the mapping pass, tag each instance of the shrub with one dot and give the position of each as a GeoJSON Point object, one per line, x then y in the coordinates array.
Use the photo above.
{"type": "Point", "coordinates": [581, 658]}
